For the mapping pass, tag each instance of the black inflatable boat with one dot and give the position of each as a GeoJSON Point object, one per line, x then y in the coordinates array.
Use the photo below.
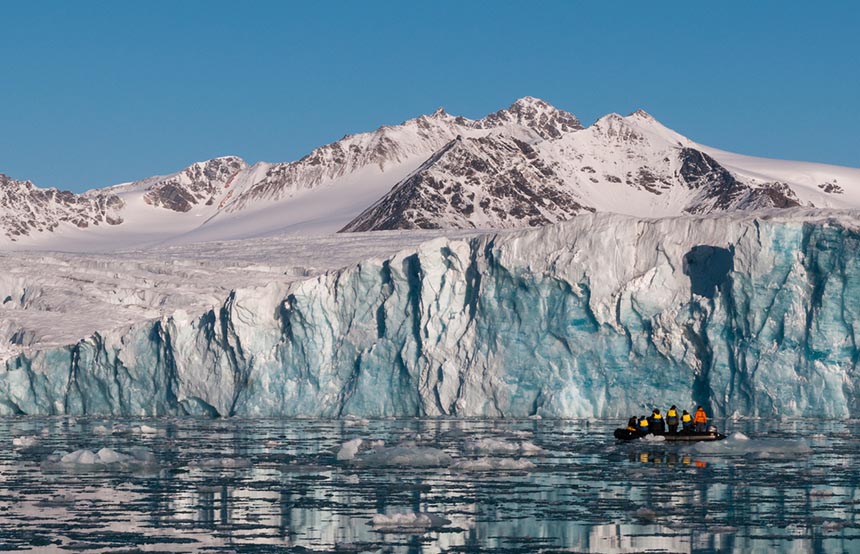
{"type": "Point", "coordinates": [683, 436]}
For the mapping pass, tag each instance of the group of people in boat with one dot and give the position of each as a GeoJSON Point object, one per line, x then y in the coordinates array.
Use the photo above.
{"type": "Point", "coordinates": [656, 424]}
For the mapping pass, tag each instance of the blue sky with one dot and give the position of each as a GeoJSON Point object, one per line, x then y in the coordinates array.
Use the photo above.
{"type": "Point", "coordinates": [96, 93]}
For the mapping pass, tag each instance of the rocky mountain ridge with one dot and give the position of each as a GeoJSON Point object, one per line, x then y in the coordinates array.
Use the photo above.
{"type": "Point", "coordinates": [527, 165]}
{"type": "Point", "coordinates": [26, 208]}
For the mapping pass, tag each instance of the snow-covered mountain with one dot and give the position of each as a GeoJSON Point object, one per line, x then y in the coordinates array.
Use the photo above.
{"type": "Point", "coordinates": [494, 181]}
{"type": "Point", "coordinates": [526, 165]}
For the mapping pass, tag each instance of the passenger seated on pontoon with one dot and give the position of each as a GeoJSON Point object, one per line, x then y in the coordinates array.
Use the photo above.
{"type": "Point", "coordinates": [633, 424]}
{"type": "Point", "coordinates": [656, 423]}
{"type": "Point", "coordinates": [686, 421]}
{"type": "Point", "coordinates": [643, 425]}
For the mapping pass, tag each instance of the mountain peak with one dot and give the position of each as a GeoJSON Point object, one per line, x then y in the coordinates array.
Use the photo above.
{"type": "Point", "coordinates": [527, 101]}
{"type": "Point", "coordinates": [543, 118]}
{"type": "Point", "coordinates": [642, 114]}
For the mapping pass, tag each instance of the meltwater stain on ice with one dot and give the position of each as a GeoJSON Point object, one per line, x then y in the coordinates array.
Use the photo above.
{"type": "Point", "coordinates": [708, 267]}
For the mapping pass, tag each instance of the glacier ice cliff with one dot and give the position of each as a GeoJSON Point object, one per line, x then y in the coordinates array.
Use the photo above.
{"type": "Point", "coordinates": [603, 315]}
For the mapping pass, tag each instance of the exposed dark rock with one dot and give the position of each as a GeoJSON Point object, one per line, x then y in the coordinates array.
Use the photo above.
{"type": "Point", "coordinates": [27, 209]}
{"type": "Point", "coordinates": [495, 180]}
{"type": "Point", "coordinates": [831, 188]}
{"type": "Point", "coordinates": [198, 183]}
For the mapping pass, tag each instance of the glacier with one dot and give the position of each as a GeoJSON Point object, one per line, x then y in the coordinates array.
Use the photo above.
{"type": "Point", "coordinates": [601, 316]}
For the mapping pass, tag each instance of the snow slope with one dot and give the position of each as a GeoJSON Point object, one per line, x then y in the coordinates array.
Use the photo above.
{"type": "Point", "coordinates": [602, 315]}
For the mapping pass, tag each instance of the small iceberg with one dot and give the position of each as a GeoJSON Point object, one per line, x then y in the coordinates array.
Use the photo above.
{"type": "Point", "coordinates": [25, 441]}
{"type": "Point", "coordinates": [411, 522]}
{"type": "Point", "coordinates": [104, 458]}
{"type": "Point", "coordinates": [404, 456]}
{"type": "Point", "coordinates": [501, 446]}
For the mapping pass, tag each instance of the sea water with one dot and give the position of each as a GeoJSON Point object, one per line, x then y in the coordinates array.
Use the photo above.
{"type": "Point", "coordinates": [423, 485]}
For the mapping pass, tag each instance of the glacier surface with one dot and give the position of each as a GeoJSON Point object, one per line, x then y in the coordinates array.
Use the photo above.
{"type": "Point", "coordinates": [604, 315]}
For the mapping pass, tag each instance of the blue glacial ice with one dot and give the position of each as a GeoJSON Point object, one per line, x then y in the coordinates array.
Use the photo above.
{"type": "Point", "coordinates": [604, 315]}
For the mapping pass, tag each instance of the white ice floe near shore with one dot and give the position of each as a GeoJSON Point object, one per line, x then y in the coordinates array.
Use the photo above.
{"type": "Point", "coordinates": [603, 315]}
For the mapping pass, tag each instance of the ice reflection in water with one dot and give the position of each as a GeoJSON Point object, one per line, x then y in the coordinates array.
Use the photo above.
{"type": "Point", "coordinates": [276, 486]}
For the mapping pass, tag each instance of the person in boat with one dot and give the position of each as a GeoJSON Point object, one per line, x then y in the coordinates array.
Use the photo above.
{"type": "Point", "coordinates": [700, 420]}
{"type": "Point", "coordinates": [657, 424]}
{"type": "Point", "coordinates": [643, 426]}
{"type": "Point", "coordinates": [633, 424]}
{"type": "Point", "coordinates": [672, 419]}
{"type": "Point", "coordinates": [686, 421]}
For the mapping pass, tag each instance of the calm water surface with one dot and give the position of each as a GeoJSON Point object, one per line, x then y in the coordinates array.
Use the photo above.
{"type": "Point", "coordinates": [509, 486]}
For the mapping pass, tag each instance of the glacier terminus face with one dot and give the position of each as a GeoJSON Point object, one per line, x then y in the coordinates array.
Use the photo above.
{"type": "Point", "coordinates": [603, 315]}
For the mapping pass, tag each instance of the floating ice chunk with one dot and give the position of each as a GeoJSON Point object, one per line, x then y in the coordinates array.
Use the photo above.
{"type": "Point", "coordinates": [349, 449]}
{"type": "Point", "coordinates": [110, 456]}
{"type": "Point", "coordinates": [528, 448]}
{"type": "Point", "coordinates": [227, 463]}
{"type": "Point", "coordinates": [500, 446]}
{"type": "Point", "coordinates": [408, 456]}
{"type": "Point", "coordinates": [760, 448]}
{"type": "Point", "coordinates": [146, 430]}
{"type": "Point", "coordinates": [653, 438]}
{"type": "Point", "coordinates": [409, 522]}
{"type": "Point", "coordinates": [104, 458]}
{"type": "Point", "coordinates": [355, 421]}
{"type": "Point", "coordinates": [25, 442]}
{"type": "Point", "coordinates": [80, 457]}
{"type": "Point", "coordinates": [143, 455]}
{"type": "Point", "coordinates": [492, 446]}
{"type": "Point", "coordinates": [101, 430]}
{"type": "Point", "coordinates": [493, 464]}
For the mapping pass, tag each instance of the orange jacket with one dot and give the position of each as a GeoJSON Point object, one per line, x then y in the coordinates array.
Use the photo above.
{"type": "Point", "coordinates": [700, 416]}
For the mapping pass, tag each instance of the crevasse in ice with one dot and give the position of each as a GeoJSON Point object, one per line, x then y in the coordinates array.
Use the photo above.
{"type": "Point", "coordinates": [600, 316]}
